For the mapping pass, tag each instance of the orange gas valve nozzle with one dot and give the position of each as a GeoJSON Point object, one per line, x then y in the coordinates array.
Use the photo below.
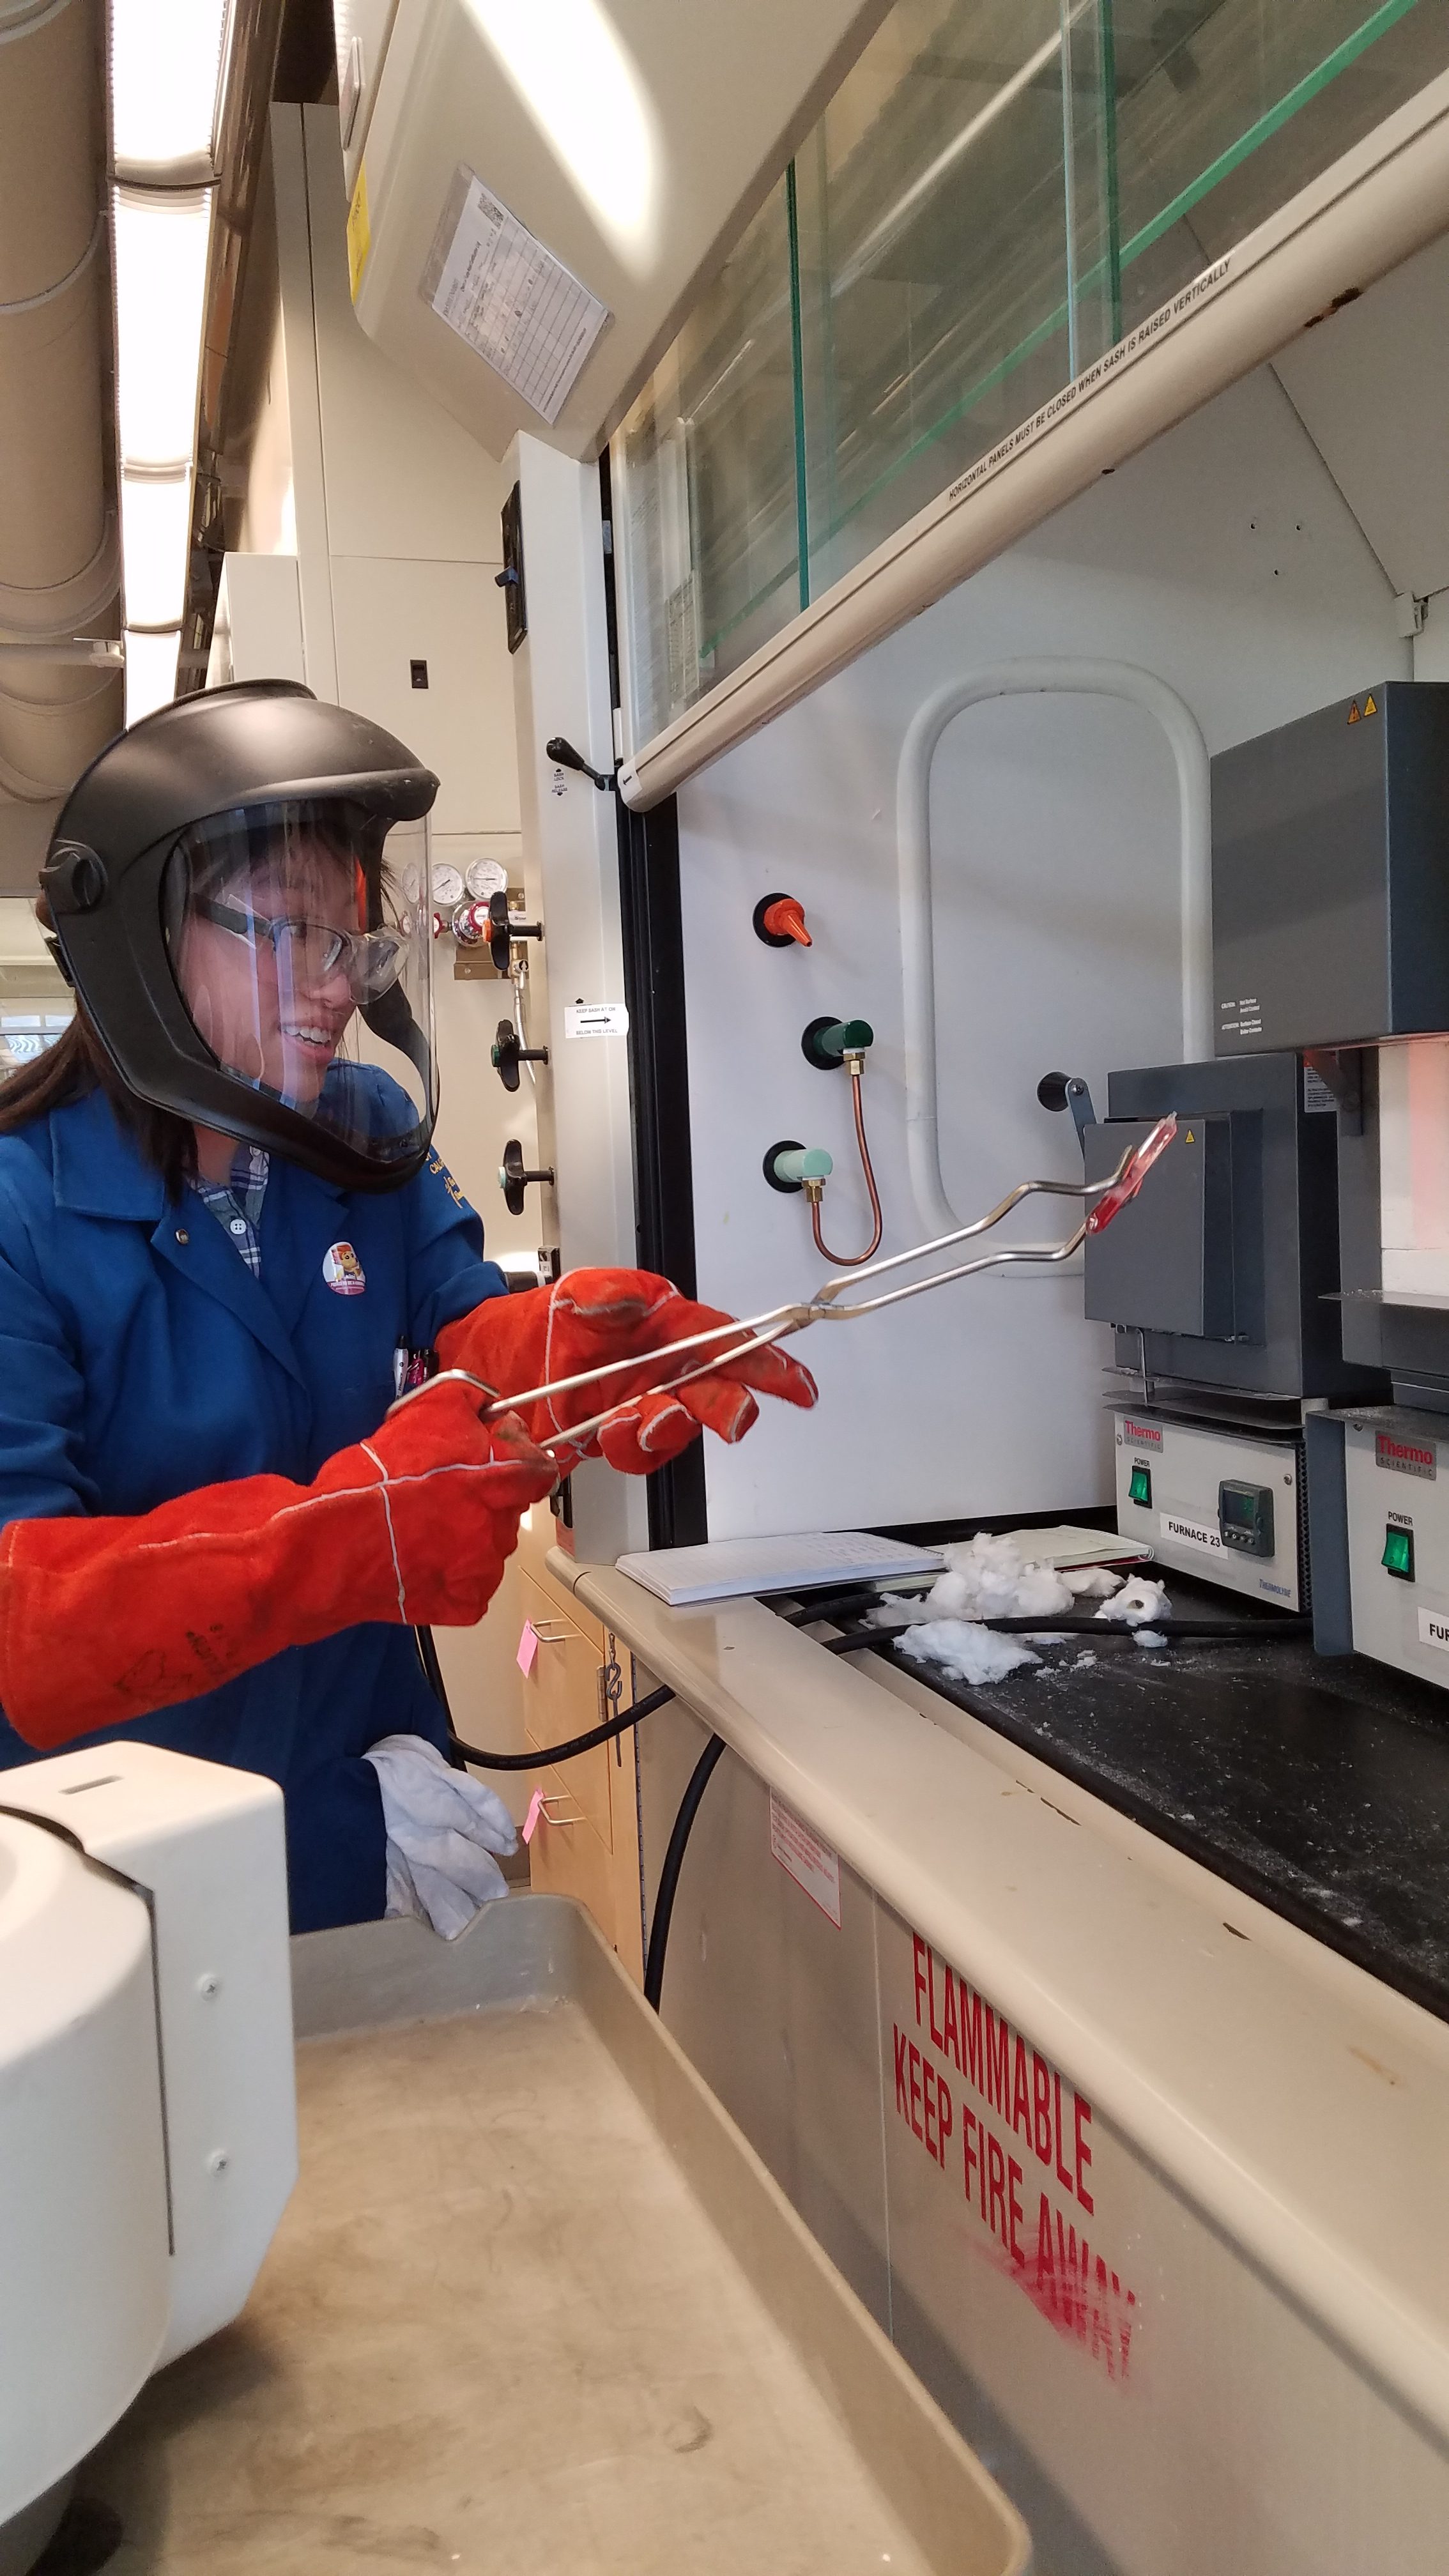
{"type": "Point", "coordinates": [780, 921]}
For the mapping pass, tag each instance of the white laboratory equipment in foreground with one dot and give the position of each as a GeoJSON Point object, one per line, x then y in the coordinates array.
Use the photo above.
{"type": "Point", "coordinates": [148, 2134]}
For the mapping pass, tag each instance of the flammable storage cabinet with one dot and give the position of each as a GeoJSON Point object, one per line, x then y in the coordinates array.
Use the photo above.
{"type": "Point", "coordinates": [1140, 2177]}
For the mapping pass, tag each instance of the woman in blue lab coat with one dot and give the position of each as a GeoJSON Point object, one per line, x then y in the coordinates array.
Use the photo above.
{"type": "Point", "coordinates": [224, 1239]}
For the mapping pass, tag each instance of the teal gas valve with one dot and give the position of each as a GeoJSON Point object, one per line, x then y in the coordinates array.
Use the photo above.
{"type": "Point", "coordinates": [828, 1043]}
{"type": "Point", "coordinates": [791, 1167]}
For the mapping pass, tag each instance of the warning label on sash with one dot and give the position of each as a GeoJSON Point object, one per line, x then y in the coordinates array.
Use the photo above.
{"type": "Point", "coordinates": [811, 1863]}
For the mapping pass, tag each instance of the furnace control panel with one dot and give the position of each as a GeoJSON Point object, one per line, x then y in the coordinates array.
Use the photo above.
{"type": "Point", "coordinates": [1212, 1501]}
{"type": "Point", "coordinates": [1396, 1489]}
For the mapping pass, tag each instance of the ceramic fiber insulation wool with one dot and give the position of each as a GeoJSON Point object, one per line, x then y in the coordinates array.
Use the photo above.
{"type": "Point", "coordinates": [1139, 1600]}
{"type": "Point", "coordinates": [973, 1654]}
{"type": "Point", "coordinates": [988, 1578]}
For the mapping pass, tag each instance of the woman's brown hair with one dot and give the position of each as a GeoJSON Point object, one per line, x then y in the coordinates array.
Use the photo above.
{"type": "Point", "coordinates": [75, 1066]}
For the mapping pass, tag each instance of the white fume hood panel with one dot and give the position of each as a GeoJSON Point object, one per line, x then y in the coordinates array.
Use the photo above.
{"type": "Point", "coordinates": [1223, 560]}
{"type": "Point", "coordinates": [629, 138]}
{"type": "Point", "coordinates": [1373, 394]}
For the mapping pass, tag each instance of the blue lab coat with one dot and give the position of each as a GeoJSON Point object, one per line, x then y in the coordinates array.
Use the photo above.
{"type": "Point", "coordinates": [140, 1358]}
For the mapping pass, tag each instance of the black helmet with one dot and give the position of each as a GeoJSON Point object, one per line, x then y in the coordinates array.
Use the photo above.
{"type": "Point", "coordinates": [236, 885]}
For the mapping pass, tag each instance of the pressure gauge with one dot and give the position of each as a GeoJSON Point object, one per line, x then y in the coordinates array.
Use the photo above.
{"type": "Point", "coordinates": [447, 886]}
{"type": "Point", "coordinates": [485, 877]}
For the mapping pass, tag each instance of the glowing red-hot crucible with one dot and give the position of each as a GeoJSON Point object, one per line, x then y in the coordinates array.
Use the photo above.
{"type": "Point", "coordinates": [1145, 1155]}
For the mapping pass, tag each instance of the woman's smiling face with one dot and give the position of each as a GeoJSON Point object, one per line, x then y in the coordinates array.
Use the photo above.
{"type": "Point", "coordinates": [267, 1001]}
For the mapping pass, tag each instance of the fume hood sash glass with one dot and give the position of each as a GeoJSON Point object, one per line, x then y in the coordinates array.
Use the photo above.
{"type": "Point", "coordinates": [999, 191]}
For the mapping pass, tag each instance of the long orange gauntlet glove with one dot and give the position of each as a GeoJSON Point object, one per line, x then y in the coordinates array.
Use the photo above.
{"type": "Point", "coordinates": [597, 1315]}
{"type": "Point", "coordinates": [104, 1620]}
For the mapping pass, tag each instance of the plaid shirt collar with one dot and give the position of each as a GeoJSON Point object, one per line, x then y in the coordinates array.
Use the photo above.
{"type": "Point", "coordinates": [237, 1203]}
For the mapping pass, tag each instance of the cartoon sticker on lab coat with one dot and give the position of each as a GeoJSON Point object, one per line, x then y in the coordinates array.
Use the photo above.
{"type": "Point", "coordinates": [343, 1271]}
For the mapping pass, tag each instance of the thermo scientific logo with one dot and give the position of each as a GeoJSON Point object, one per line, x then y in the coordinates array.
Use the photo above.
{"type": "Point", "coordinates": [1141, 1435]}
{"type": "Point", "coordinates": [1408, 1457]}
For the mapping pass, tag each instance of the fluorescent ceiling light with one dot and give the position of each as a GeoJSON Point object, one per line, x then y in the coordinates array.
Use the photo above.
{"type": "Point", "coordinates": [581, 88]}
{"type": "Point", "coordinates": [150, 672]}
{"type": "Point", "coordinates": [168, 65]}
{"type": "Point", "coordinates": [155, 546]}
{"type": "Point", "coordinates": [161, 245]}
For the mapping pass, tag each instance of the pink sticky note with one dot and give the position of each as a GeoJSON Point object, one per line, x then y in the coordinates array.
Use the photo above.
{"type": "Point", "coordinates": [527, 1648]}
{"type": "Point", "coordinates": [535, 1816]}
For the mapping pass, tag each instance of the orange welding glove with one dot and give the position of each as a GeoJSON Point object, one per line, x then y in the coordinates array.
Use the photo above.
{"type": "Point", "coordinates": [592, 1316]}
{"type": "Point", "coordinates": [103, 1620]}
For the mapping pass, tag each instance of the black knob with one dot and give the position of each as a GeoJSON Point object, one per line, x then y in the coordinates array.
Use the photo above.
{"type": "Point", "coordinates": [503, 930]}
{"type": "Point", "coordinates": [514, 1179]}
{"type": "Point", "coordinates": [561, 752]}
{"type": "Point", "coordinates": [1069, 1091]}
{"type": "Point", "coordinates": [508, 1052]}
{"type": "Point", "coordinates": [74, 880]}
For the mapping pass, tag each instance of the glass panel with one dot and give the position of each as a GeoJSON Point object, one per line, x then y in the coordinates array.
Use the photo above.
{"type": "Point", "coordinates": [1225, 108]}
{"type": "Point", "coordinates": [933, 261]}
{"type": "Point", "coordinates": [997, 192]}
{"type": "Point", "coordinates": [706, 498]}
{"type": "Point", "coordinates": [1001, 188]}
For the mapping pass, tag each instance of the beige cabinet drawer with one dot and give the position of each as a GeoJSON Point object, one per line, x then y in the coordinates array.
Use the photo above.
{"type": "Point", "coordinates": [568, 1857]}
{"type": "Point", "coordinates": [562, 1698]}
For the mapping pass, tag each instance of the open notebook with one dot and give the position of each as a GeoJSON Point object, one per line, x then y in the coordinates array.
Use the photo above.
{"type": "Point", "coordinates": [727, 1567]}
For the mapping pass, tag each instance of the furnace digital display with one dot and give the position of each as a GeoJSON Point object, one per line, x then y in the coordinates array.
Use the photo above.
{"type": "Point", "coordinates": [1245, 1518]}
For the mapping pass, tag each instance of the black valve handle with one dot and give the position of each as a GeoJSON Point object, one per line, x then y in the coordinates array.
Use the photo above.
{"type": "Point", "coordinates": [513, 1179]}
{"type": "Point", "coordinates": [508, 1052]}
{"type": "Point", "coordinates": [561, 752]}
{"type": "Point", "coordinates": [1058, 1091]}
{"type": "Point", "coordinates": [502, 930]}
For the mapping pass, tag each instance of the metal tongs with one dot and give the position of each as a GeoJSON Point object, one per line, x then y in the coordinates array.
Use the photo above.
{"type": "Point", "coordinates": [749, 1333]}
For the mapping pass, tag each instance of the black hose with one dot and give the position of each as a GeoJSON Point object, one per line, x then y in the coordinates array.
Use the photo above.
{"type": "Point", "coordinates": [433, 1675]}
{"type": "Point", "coordinates": [830, 1605]}
{"type": "Point", "coordinates": [1228, 1632]}
{"type": "Point", "coordinates": [1049, 1623]}
{"type": "Point", "coordinates": [541, 1753]}
{"type": "Point", "coordinates": [673, 1863]}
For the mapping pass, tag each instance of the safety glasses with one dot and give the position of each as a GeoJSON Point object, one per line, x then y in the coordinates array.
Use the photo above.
{"type": "Point", "coordinates": [307, 952]}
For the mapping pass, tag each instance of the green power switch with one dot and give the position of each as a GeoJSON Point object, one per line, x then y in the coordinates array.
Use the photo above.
{"type": "Point", "coordinates": [1139, 1487]}
{"type": "Point", "coordinates": [1398, 1556]}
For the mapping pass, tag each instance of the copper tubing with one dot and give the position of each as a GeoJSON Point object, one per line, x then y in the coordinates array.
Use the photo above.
{"type": "Point", "coordinates": [852, 1260]}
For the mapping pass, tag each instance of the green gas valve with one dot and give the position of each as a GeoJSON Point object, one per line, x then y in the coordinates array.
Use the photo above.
{"type": "Point", "coordinates": [827, 1042]}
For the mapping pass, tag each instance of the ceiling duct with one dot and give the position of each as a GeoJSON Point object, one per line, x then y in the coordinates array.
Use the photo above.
{"type": "Point", "coordinates": [59, 564]}
{"type": "Point", "coordinates": [255, 37]}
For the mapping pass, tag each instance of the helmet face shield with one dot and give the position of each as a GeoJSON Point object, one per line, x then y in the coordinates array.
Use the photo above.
{"type": "Point", "coordinates": [298, 934]}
